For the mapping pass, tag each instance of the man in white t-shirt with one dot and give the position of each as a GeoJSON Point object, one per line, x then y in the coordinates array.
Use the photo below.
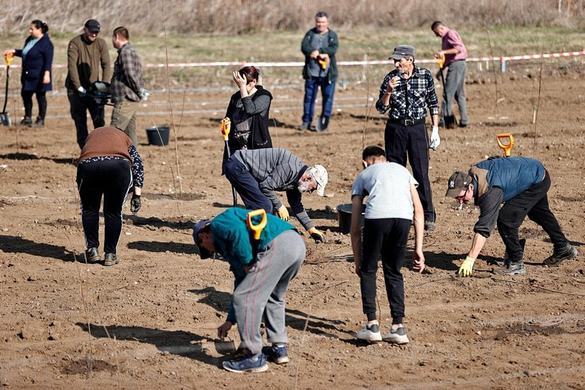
{"type": "Point", "coordinates": [392, 202]}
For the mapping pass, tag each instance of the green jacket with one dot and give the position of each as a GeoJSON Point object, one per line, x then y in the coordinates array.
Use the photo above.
{"type": "Point", "coordinates": [331, 50]}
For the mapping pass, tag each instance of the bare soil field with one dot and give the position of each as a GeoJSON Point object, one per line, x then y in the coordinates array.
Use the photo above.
{"type": "Point", "coordinates": [150, 322]}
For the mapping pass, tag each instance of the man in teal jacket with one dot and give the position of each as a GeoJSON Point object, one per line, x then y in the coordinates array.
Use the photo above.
{"type": "Point", "coordinates": [263, 269]}
{"type": "Point", "coordinates": [521, 184]}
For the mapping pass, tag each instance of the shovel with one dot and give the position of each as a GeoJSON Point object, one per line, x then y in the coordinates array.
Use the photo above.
{"type": "Point", "coordinates": [506, 143]}
{"type": "Point", "coordinates": [224, 128]}
{"type": "Point", "coordinates": [4, 117]}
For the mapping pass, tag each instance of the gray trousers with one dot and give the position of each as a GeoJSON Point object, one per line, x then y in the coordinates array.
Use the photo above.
{"type": "Point", "coordinates": [455, 91]}
{"type": "Point", "coordinates": [261, 295]}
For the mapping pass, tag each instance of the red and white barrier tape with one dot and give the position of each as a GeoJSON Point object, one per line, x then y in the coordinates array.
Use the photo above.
{"type": "Point", "coordinates": [350, 63]}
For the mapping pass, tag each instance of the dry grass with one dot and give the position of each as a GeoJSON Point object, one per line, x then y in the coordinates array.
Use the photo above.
{"type": "Point", "coordinates": [245, 16]}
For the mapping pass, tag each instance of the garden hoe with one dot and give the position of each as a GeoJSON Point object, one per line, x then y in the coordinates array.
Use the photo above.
{"type": "Point", "coordinates": [4, 117]}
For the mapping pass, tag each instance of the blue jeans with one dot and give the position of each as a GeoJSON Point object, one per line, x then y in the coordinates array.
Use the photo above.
{"type": "Point", "coordinates": [246, 185]}
{"type": "Point", "coordinates": [327, 92]}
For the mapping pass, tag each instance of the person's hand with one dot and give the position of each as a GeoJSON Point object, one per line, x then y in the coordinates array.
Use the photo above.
{"type": "Point", "coordinates": [144, 94]}
{"type": "Point", "coordinates": [282, 213]}
{"type": "Point", "coordinates": [316, 235]}
{"type": "Point", "coordinates": [82, 91]}
{"type": "Point", "coordinates": [418, 261]}
{"type": "Point", "coordinates": [47, 78]}
{"type": "Point", "coordinates": [239, 80]}
{"type": "Point", "coordinates": [314, 54]}
{"type": "Point", "coordinates": [466, 268]}
{"type": "Point", "coordinates": [9, 52]}
{"type": "Point", "coordinates": [393, 84]}
{"type": "Point", "coordinates": [435, 139]}
{"type": "Point", "coordinates": [223, 329]}
{"type": "Point", "coordinates": [135, 203]}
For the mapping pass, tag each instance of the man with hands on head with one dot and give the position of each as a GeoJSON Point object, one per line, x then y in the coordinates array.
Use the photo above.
{"type": "Point", "coordinates": [521, 184]}
{"type": "Point", "coordinates": [392, 202]}
{"type": "Point", "coordinates": [406, 93]}
{"type": "Point", "coordinates": [257, 174]}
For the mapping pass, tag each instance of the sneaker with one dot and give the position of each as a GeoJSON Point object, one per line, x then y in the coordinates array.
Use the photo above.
{"type": "Point", "coordinates": [276, 353]}
{"type": "Point", "coordinates": [397, 336]}
{"type": "Point", "coordinates": [369, 333]}
{"type": "Point", "coordinates": [248, 363]}
{"type": "Point", "coordinates": [306, 126]}
{"type": "Point", "coordinates": [92, 256]}
{"type": "Point", "coordinates": [507, 256]}
{"type": "Point", "coordinates": [568, 252]}
{"type": "Point", "coordinates": [26, 121]}
{"type": "Point", "coordinates": [323, 123]}
{"type": "Point", "coordinates": [516, 268]}
{"type": "Point", "coordinates": [111, 259]}
{"type": "Point", "coordinates": [39, 123]}
{"type": "Point", "coordinates": [430, 226]}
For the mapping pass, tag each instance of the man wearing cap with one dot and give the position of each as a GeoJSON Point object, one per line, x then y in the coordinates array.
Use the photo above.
{"type": "Point", "coordinates": [263, 269]}
{"type": "Point", "coordinates": [520, 183]}
{"type": "Point", "coordinates": [319, 46]}
{"type": "Point", "coordinates": [455, 54]}
{"type": "Point", "coordinates": [127, 84]}
{"type": "Point", "coordinates": [257, 173]}
{"type": "Point", "coordinates": [405, 94]}
{"type": "Point", "coordinates": [87, 61]}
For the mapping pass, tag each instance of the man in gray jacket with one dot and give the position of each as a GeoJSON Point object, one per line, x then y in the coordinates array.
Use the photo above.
{"type": "Point", "coordinates": [257, 173]}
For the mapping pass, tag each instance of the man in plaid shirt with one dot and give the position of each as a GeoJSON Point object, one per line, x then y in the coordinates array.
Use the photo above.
{"type": "Point", "coordinates": [127, 84]}
{"type": "Point", "coordinates": [406, 93]}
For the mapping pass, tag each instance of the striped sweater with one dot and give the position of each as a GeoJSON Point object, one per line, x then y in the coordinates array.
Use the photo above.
{"type": "Point", "coordinates": [277, 169]}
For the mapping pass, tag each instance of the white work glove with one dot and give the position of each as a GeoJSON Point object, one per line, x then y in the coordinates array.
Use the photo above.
{"type": "Point", "coordinates": [144, 94]}
{"type": "Point", "coordinates": [82, 90]}
{"type": "Point", "coordinates": [435, 139]}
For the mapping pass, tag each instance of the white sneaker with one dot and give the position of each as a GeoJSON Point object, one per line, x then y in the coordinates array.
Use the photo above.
{"type": "Point", "coordinates": [369, 333]}
{"type": "Point", "coordinates": [397, 336]}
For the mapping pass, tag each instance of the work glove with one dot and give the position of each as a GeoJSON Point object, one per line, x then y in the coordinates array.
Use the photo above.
{"type": "Point", "coordinates": [316, 235]}
{"type": "Point", "coordinates": [435, 139]}
{"type": "Point", "coordinates": [466, 268]}
{"type": "Point", "coordinates": [135, 203]}
{"type": "Point", "coordinates": [144, 94]}
{"type": "Point", "coordinates": [283, 213]}
{"type": "Point", "coordinates": [82, 91]}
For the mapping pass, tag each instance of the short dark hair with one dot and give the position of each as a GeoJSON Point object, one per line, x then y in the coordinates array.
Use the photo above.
{"type": "Point", "coordinates": [250, 73]}
{"type": "Point", "coordinates": [122, 31]}
{"type": "Point", "coordinates": [321, 14]}
{"type": "Point", "coordinates": [39, 24]}
{"type": "Point", "coordinates": [373, 151]}
{"type": "Point", "coordinates": [436, 24]}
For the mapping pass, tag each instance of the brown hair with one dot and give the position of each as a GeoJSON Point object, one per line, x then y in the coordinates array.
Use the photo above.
{"type": "Point", "coordinates": [122, 32]}
{"type": "Point", "coordinates": [250, 73]}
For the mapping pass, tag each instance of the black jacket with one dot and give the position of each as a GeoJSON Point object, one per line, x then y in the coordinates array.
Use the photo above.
{"type": "Point", "coordinates": [35, 63]}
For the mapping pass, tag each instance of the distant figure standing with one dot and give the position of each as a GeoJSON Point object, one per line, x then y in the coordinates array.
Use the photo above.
{"type": "Point", "coordinates": [87, 57]}
{"type": "Point", "coordinates": [455, 53]}
{"type": "Point", "coordinates": [248, 111]}
{"type": "Point", "coordinates": [127, 84]}
{"type": "Point", "coordinates": [37, 59]}
{"type": "Point", "coordinates": [319, 47]}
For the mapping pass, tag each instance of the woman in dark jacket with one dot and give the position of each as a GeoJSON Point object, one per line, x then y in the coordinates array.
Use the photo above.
{"type": "Point", "coordinates": [109, 166]}
{"type": "Point", "coordinates": [37, 59]}
{"type": "Point", "coordinates": [248, 111]}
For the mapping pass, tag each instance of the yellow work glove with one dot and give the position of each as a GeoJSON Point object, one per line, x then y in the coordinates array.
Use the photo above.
{"type": "Point", "coordinates": [316, 235]}
{"type": "Point", "coordinates": [466, 268]}
{"type": "Point", "coordinates": [282, 213]}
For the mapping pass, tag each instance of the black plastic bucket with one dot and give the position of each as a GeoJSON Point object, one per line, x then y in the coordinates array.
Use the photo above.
{"type": "Point", "coordinates": [158, 136]}
{"type": "Point", "coordinates": [344, 217]}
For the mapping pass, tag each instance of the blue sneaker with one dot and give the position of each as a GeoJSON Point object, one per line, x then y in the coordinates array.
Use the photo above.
{"type": "Point", "coordinates": [248, 363]}
{"type": "Point", "coordinates": [276, 353]}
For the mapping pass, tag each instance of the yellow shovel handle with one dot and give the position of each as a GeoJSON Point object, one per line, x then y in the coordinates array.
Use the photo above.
{"type": "Point", "coordinates": [8, 59]}
{"type": "Point", "coordinates": [259, 227]}
{"type": "Point", "coordinates": [506, 143]}
{"type": "Point", "coordinates": [225, 127]}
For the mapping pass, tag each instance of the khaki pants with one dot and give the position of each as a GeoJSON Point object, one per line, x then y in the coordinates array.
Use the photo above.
{"type": "Point", "coordinates": [124, 118]}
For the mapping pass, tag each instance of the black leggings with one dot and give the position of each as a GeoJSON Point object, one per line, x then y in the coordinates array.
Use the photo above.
{"type": "Point", "coordinates": [28, 103]}
{"type": "Point", "coordinates": [110, 178]}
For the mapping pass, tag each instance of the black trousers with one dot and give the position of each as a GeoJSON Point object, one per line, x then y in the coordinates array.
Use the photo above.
{"type": "Point", "coordinates": [28, 103]}
{"type": "Point", "coordinates": [401, 140]}
{"type": "Point", "coordinates": [385, 238]}
{"type": "Point", "coordinates": [110, 178]}
{"type": "Point", "coordinates": [79, 105]}
{"type": "Point", "coordinates": [534, 203]}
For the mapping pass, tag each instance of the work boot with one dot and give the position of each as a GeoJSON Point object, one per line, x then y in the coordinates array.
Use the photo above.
{"type": "Point", "coordinates": [567, 252]}
{"type": "Point", "coordinates": [111, 259]}
{"type": "Point", "coordinates": [92, 256]}
{"type": "Point", "coordinates": [26, 121]}
{"type": "Point", "coordinates": [507, 255]}
{"type": "Point", "coordinates": [515, 268]}
{"type": "Point", "coordinates": [323, 123]}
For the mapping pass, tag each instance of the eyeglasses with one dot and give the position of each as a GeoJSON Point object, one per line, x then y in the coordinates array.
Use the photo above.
{"type": "Point", "coordinates": [461, 198]}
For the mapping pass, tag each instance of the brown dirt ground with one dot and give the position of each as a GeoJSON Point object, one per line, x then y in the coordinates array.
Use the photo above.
{"type": "Point", "coordinates": [150, 321]}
